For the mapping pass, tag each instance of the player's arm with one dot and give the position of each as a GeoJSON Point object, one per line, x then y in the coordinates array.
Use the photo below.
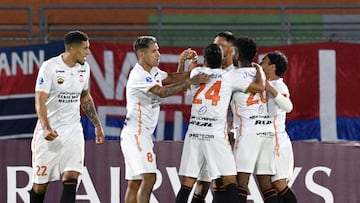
{"type": "Point", "coordinates": [176, 77]}
{"type": "Point", "coordinates": [282, 100]}
{"type": "Point", "coordinates": [174, 88]}
{"type": "Point", "coordinates": [187, 54]}
{"type": "Point", "coordinates": [88, 106]}
{"type": "Point", "coordinates": [41, 111]}
{"type": "Point", "coordinates": [259, 84]}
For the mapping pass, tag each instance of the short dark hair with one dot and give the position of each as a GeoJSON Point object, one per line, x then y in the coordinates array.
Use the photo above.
{"type": "Point", "coordinates": [246, 48]}
{"type": "Point", "coordinates": [75, 37]}
{"type": "Point", "coordinates": [280, 61]}
{"type": "Point", "coordinates": [143, 42]}
{"type": "Point", "coordinates": [213, 56]}
{"type": "Point", "coordinates": [229, 36]}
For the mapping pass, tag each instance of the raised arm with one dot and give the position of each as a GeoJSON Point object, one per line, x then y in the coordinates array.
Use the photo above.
{"type": "Point", "coordinates": [259, 84]}
{"type": "Point", "coordinates": [187, 54]}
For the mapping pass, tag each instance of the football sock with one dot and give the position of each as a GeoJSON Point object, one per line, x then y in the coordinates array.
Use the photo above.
{"type": "Point", "coordinates": [69, 191]}
{"type": "Point", "coordinates": [270, 196]}
{"type": "Point", "coordinates": [231, 193]}
{"type": "Point", "coordinates": [183, 194]}
{"type": "Point", "coordinates": [219, 194]}
{"type": "Point", "coordinates": [36, 198]}
{"type": "Point", "coordinates": [197, 199]}
{"type": "Point", "coordinates": [288, 196]}
{"type": "Point", "coordinates": [242, 192]}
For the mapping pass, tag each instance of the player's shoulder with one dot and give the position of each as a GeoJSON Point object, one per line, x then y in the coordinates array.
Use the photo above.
{"type": "Point", "coordinates": [244, 72]}
{"type": "Point", "coordinates": [138, 74]}
{"type": "Point", "coordinates": [279, 84]}
{"type": "Point", "coordinates": [51, 63]}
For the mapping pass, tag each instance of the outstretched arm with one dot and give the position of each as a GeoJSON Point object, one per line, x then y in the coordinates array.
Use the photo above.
{"type": "Point", "coordinates": [88, 106]}
{"type": "Point", "coordinates": [174, 88]}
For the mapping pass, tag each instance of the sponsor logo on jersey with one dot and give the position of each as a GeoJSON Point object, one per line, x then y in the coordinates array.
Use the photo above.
{"type": "Point", "coordinates": [263, 122]}
{"type": "Point", "coordinates": [201, 136]}
{"type": "Point", "coordinates": [60, 71]}
{"type": "Point", "coordinates": [201, 124]}
{"type": "Point", "coordinates": [202, 110]}
{"type": "Point", "coordinates": [81, 78]}
{"type": "Point", "coordinates": [148, 79]}
{"type": "Point", "coordinates": [60, 80]}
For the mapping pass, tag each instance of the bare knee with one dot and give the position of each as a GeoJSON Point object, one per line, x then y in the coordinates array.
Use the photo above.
{"type": "Point", "coordinates": [40, 188]}
{"type": "Point", "coordinates": [264, 182]}
{"type": "Point", "coordinates": [149, 179]}
{"type": "Point", "coordinates": [279, 185]}
{"type": "Point", "coordinates": [202, 188]}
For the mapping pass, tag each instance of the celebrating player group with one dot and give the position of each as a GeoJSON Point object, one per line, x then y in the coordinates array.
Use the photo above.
{"type": "Point", "coordinates": [236, 127]}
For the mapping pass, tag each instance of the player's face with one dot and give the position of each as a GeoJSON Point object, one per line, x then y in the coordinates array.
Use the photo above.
{"type": "Point", "coordinates": [151, 55]}
{"type": "Point", "coordinates": [81, 52]}
{"type": "Point", "coordinates": [266, 64]}
{"type": "Point", "coordinates": [227, 48]}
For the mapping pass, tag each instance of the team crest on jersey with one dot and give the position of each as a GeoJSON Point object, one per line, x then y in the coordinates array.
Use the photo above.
{"type": "Point", "coordinates": [81, 78]}
{"type": "Point", "coordinates": [148, 79]}
{"type": "Point", "coordinates": [60, 80]}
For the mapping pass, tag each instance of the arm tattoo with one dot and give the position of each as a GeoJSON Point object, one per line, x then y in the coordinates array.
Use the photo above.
{"type": "Point", "coordinates": [175, 88]}
{"type": "Point", "coordinates": [89, 108]}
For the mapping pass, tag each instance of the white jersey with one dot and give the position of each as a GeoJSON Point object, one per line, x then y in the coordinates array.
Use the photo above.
{"type": "Point", "coordinates": [64, 85]}
{"type": "Point", "coordinates": [206, 142]}
{"type": "Point", "coordinates": [284, 154]}
{"type": "Point", "coordinates": [211, 100]}
{"type": "Point", "coordinates": [250, 110]}
{"type": "Point", "coordinates": [143, 107]}
{"type": "Point", "coordinates": [278, 113]}
{"type": "Point", "coordinates": [254, 131]}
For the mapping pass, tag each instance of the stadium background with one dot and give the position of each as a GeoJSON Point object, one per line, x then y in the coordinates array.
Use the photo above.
{"type": "Point", "coordinates": [322, 78]}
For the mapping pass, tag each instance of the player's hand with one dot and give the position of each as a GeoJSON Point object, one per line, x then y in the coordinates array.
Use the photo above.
{"type": "Point", "coordinates": [99, 133]}
{"type": "Point", "coordinates": [199, 79]}
{"type": "Point", "coordinates": [267, 85]}
{"type": "Point", "coordinates": [50, 134]}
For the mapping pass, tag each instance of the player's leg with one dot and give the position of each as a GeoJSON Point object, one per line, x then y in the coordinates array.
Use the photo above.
{"type": "Point", "coordinates": [228, 190]}
{"type": "Point", "coordinates": [37, 193]}
{"type": "Point", "coordinates": [201, 190]}
{"type": "Point", "coordinates": [285, 193]}
{"type": "Point", "coordinates": [71, 164]}
{"type": "Point", "coordinates": [284, 162]}
{"type": "Point", "coordinates": [186, 186]}
{"type": "Point", "coordinates": [146, 187]}
{"type": "Point", "coordinates": [243, 181]}
{"type": "Point", "coordinates": [270, 195]}
{"type": "Point", "coordinates": [69, 180]}
{"type": "Point", "coordinates": [131, 191]}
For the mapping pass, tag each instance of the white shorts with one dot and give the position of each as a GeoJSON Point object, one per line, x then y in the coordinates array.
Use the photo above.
{"type": "Point", "coordinates": [284, 162]}
{"type": "Point", "coordinates": [204, 175]}
{"type": "Point", "coordinates": [138, 154]}
{"type": "Point", "coordinates": [51, 158]}
{"type": "Point", "coordinates": [202, 150]}
{"type": "Point", "coordinates": [255, 154]}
